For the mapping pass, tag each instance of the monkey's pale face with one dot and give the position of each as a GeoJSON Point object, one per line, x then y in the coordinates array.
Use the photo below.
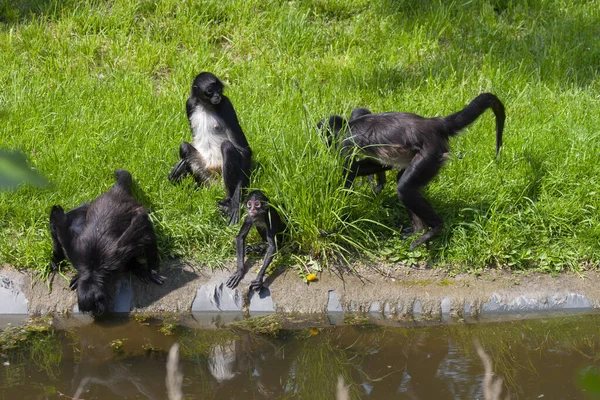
{"type": "Point", "coordinates": [256, 207]}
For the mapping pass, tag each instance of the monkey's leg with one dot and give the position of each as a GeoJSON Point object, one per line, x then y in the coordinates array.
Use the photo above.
{"type": "Point", "coordinates": [257, 283]}
{"type": "Point", "coordinates": [191, 162]}
{"type": "Point", "coordinates": [58, 254]}
{"type": "Point", "coordinates": [151, 250]}
{"type": "Point", "coordinates": [417, 175]}
{"type": "Point", "coordinates": [236, 176]}
{"type": "Point", "coordinates": [362, 168]}
{"type": "Point", "coordinates": [140, 238]}
{"type": "Point", "coordinates": [381, 180]}
{"type": "Point", "coordinates": [61, 234]}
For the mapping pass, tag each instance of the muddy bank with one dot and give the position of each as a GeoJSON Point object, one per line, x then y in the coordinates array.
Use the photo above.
{"type": "Point", "coordinates": [403, 293]}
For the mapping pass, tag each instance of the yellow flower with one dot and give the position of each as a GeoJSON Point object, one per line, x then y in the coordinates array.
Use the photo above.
{"type": "Point", "coordinates": [313, 331]}
{"type": "Point", "coordinates": [311, 277]}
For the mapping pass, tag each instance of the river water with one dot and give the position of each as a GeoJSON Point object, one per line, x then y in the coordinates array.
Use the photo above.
{"type": "Point", "coordinates": [126, 358]}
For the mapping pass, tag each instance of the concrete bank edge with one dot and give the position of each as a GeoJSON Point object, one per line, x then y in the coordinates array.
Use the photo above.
{"type": "Point", "coordinates": [411, 294]}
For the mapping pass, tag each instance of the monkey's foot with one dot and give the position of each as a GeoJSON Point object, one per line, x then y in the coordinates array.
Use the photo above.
{"type": "Point", "coordinates": [223, 206]}
{"type": "Point", "coordinates": [256, 285]}
{"type": "Point", "coordinates": [407, 231]}
{"type": "Point", "coordinates": [226, 208]}
{"type": "Point", "coordinates": [234, 280]}
{"type": "Point", "coordinates": [259, 249]}
{"type": "Point", "coordinates": [179, 171]}
{"type": "Point", "coordinates": [426, 237]}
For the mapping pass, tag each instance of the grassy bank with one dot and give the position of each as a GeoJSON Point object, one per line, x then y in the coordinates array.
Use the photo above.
{"type": "Point", "coordinates": [88, 87]}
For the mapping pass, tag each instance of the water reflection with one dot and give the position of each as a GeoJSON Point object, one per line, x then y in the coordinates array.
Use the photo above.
{"type": "Point", "coordinates": [125, 359]}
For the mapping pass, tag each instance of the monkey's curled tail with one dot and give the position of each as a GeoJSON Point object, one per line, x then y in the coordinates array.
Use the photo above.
{"type": "Point", "coordinates": [124, 179]}
{"type": "Point", "coordinates": [473, 110]}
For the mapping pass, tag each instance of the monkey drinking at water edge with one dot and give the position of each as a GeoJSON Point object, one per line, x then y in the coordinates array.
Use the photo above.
{"type": "Point", "coordinates": [415, 145]}
{"type": "Point", "coordinates": [270, 227]}
{"type": "Point", "coordinates": [103, 239]}
{"type": "Point", "coordinates": [218, 146]}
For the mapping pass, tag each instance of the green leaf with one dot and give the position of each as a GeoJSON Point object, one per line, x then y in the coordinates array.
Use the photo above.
{"type": "Point", "coordinates": [14, 170]}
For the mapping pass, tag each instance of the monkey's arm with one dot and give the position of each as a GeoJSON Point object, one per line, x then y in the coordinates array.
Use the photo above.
{"type": "Point", "coordinates": [61, 239]}
{"type": "Point", "coordinates": [257, 283]}
{"type": "Point", "coordinates": [235, 279]}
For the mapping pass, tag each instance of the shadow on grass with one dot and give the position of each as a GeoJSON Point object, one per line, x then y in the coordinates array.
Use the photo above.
{"type": "Point", "coordinates": [16, 11]}
{"type": "Point", "coordinates": [536, 40]}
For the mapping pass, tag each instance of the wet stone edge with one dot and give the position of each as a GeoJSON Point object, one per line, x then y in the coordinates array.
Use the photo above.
{"type": "Point", "coordinates": [188, 290]}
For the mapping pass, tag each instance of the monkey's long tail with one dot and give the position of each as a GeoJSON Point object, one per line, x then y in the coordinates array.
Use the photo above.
{"type": "Point", "coordinates": [473, 110]}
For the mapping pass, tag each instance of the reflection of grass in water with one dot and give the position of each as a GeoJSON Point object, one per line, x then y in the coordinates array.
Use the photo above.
{"type": "Point", "coordinates": [512, 346]}
{"type": "Point", "coordinates": [315, 372]}
{"type": "Point", "coordinates": [198, 342]}
{"type": "Point", "coordinates": [37, 343]}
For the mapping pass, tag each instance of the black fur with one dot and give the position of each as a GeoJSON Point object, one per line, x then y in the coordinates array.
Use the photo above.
{"type": "Point", "coordinates": [219, 144]}
{"type": "Point", "coordinates": [334, 129]}
{"type": "Point", "coordinates": [102, 239]}
{"type": "Point", "coordinates": [417, 147]}
{"type": "Point", "coordinates": [270, 227]}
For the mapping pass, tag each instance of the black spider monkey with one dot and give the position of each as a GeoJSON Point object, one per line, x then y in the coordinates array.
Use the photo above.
{"type": "Point", "coordinates": [270, 227]}
{"type": "Point", "coordinates": [103, 238]}
{"type": "Point", "coordinates": [334, 129]}
{"type": "Point", "coordinates": [417, 146]}
{"type": "Point", "coordinates": [219, 144]}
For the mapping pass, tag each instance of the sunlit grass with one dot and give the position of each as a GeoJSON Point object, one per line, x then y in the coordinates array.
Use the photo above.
{"type": "Point", "coordinates": [89, 87]}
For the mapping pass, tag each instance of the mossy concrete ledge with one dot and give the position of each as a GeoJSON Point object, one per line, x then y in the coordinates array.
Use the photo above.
{"type": "Point", "coordinates": [394, 294]}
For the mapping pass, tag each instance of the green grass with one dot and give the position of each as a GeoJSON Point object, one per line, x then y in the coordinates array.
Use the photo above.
{"type": "Point", "coordinates": [87, 87]}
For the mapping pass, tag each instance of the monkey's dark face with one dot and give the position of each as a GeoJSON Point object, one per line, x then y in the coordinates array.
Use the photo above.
{"type": "Point", "coordinates": [208, 88]}
{"type": "Point", "coordinates": [257, 207]}
{"type": "Point", "coordinates": [91, 297]}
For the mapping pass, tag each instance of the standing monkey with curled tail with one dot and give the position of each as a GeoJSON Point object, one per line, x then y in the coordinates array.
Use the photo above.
{"type": "Point", "coordinates": [219, 144]}
{"type": "Point", "coordinates": [414, 145]}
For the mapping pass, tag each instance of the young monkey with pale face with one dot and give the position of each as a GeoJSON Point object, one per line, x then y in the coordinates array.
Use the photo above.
{"type": "Point", "coordinates": [270, 227]}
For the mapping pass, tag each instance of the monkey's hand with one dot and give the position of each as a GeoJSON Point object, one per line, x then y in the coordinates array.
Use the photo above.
{"type": "Point", "coordinates": [147, 276]}
{"type": "Point", "coordinates": [54, 266]}
{"type": "Point", "coordinates": [256, 284]}
{"type": "Point", "coordinates": [234, 279]}
{"type": "Point", "coordinates": [156, 278]}
{"type": "Point", "coordinates": [73, 283]}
